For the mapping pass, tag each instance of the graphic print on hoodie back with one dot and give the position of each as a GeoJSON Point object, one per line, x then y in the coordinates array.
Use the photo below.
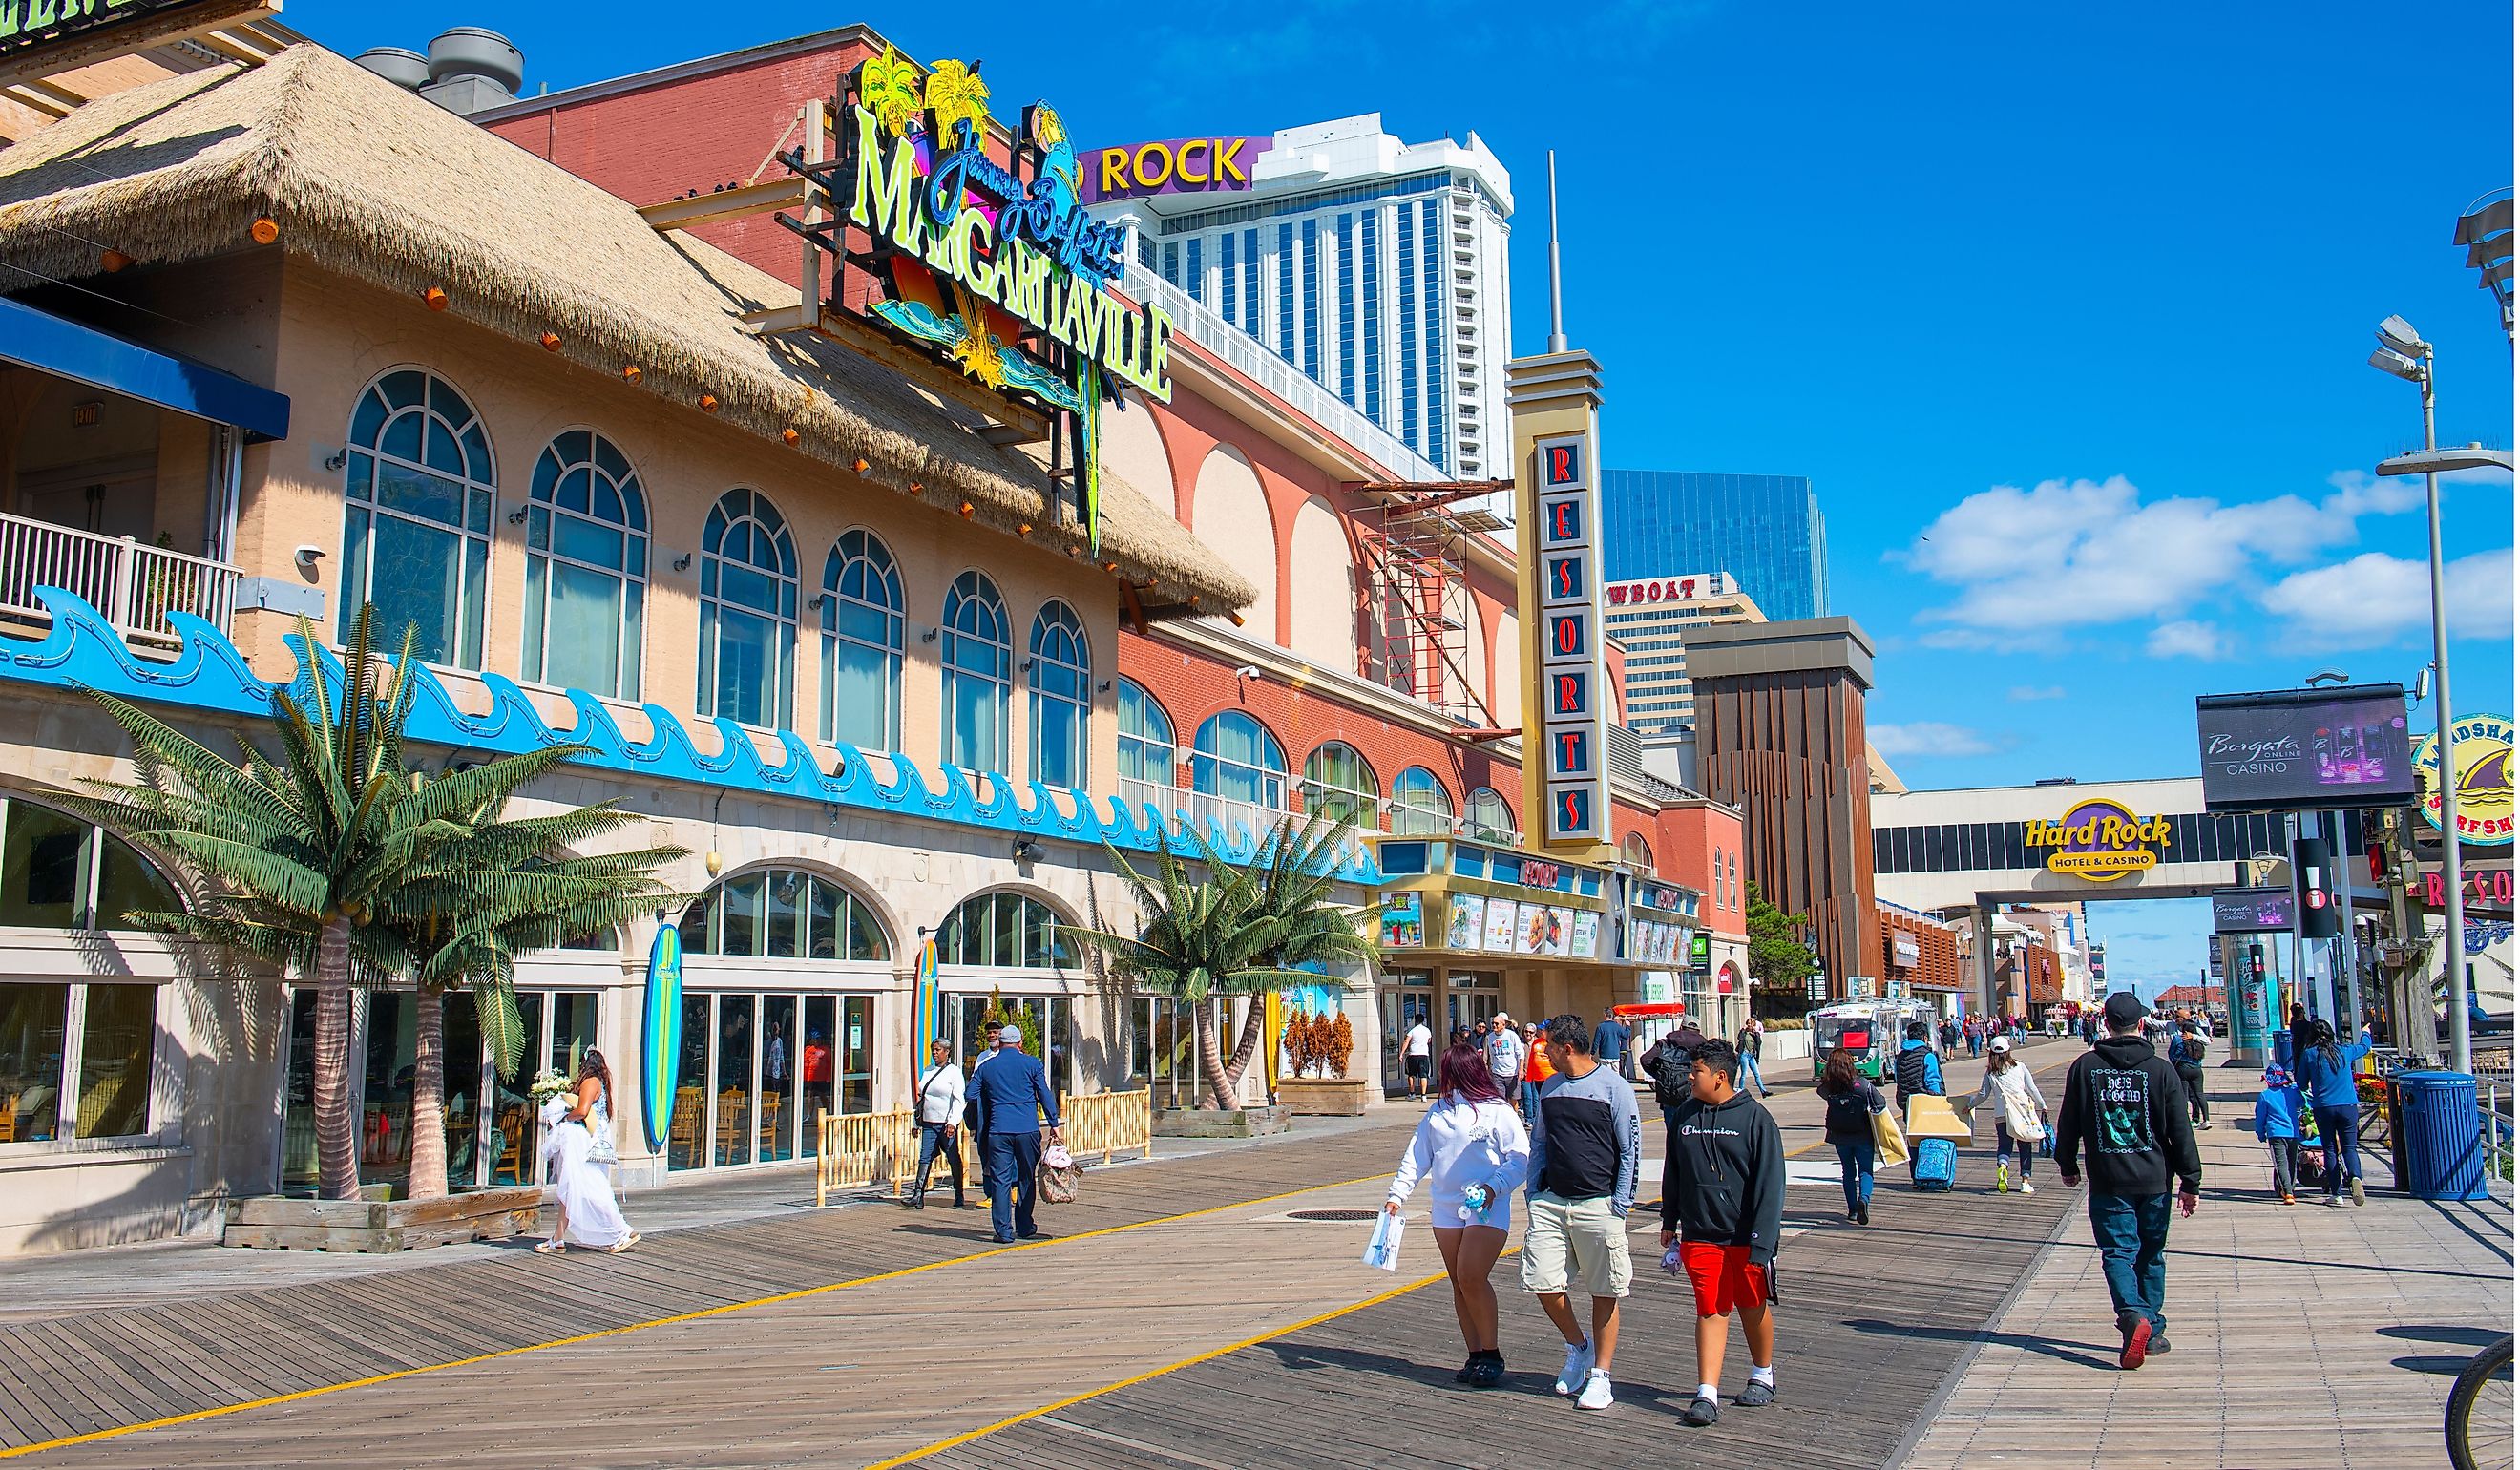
{"type": "Point", "coordinates": [2122, 1110]}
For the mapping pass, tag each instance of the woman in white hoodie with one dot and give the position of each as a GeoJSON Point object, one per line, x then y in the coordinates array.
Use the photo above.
{"type": "Point", "coordinates": [1473, 1153]}
{"type": "Point", "coordinates": [2021, 1114]}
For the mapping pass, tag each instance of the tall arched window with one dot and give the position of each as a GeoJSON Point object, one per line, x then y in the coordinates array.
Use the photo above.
{"type": "Point", "coordinates": [784, 914]}
{"type": "Point", "coordinates": [416, 530]}
{"type": "Point", "coordinates": [1492, 816]}
{"type": "Point", "coordinates": [586, 567]}
{"type": "Point", "coordinates": [1061, 667]}
{"type": "Point", "coordinates": [747, 611]}
{"type": "Point", "coordinates": [1004, 931]}
{"type": "Point", "coordinates": [1147, 770]}
{"type": "Point", "coordinates": [1238, 771]}
{"type": "Point", "coordinates": [862, 642]}
{"type": "Point", "coordinates": [1637, 852]}
{"type": "Point", "coordinates": [1337, 780]}
{"type": "Point", "coordinates": [978, 673]}
{"type": "Point", "coordinates": [1419, 804]}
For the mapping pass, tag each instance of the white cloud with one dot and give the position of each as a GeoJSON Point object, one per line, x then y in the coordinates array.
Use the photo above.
{"type": "Point", "coordinates": [2026, 693]}
{"type": "Point", "coordinates": [1928, 737]}
{"type": "Point", "coordinates": [2029, 564]}
{"type": "Point", "coordinates": [2187, 638]}
{"type": "Point", "coordinates": [2376, 599]}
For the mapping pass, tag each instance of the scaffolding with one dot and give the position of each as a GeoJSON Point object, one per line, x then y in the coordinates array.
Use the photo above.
{"type": "Point", "coordinates": [1418, 609]}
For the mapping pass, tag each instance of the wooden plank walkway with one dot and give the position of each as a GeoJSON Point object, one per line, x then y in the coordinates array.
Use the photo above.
{"type": "Point", "coordinates": [1869, 1322]}
{"type": "Point", "coordinates": [78, 1373]}
{"type": "Point", "coordinates": [2306, 1337]}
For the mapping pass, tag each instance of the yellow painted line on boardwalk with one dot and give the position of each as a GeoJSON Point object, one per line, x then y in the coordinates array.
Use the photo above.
{"type": "Point", "coordinates": [1209, 1355]}
{"type": "Point", "coordinates": [198, 1415]}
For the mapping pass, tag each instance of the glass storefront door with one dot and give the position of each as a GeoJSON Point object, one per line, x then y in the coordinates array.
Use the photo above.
{"type": "Point", "coordinates": [1046, 1022]}
{"type": "Point", "coordinates": [1468, 1001]}
{"type": "Point", "coordinates": [1408, 997]}
{"type": "Point", "coordinates": [1163, 1054]}
{"type": "Point", "coordinates": [759, 1068]}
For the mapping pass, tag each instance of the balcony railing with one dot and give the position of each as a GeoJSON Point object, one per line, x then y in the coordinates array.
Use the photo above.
{"type": "Point", "coordinates": [135, 585]}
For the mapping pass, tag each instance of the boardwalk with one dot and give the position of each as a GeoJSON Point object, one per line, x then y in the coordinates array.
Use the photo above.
{"type": "Point", "coordinates": [1187, 1317]}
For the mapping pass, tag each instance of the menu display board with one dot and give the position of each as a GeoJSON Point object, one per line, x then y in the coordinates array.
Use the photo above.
{"type": "Point", "coordinates": [1469, 923]}
{"type": "Point", "coordinates": [1404, 922]}
{"type": "Point", "coordinates": [1502, 914]}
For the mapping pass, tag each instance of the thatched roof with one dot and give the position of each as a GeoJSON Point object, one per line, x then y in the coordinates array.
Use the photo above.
{"type": "Point", "coordinates": [374, 183]}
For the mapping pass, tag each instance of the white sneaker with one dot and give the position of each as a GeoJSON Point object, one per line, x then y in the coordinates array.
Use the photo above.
{"type": "Point", "coordinates": [2028, 1188]}
{"type": "Point", "coordinates": [1596, 1389]}
{"type": "Point", "coordinates": [1579, 1362]}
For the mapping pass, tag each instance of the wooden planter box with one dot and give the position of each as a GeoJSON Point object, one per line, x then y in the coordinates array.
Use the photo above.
{"type": "Point", "coordinates": [1322, 1097]}
{"type": "Point", "coordinates": [271, 1222]}
{"type": "Point", "coordinates": [1202, 1123]}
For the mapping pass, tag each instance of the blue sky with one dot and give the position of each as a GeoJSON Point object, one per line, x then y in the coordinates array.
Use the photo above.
{"type": "Point", "coordinates": [2064, 310]}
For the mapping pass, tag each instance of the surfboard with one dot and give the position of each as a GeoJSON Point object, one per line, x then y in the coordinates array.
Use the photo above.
{"type": "Point", "coordinates": [660, 1043]}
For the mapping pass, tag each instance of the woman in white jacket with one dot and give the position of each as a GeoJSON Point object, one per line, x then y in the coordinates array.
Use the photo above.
{"type": "Point", "coordinates": [1473, 1153]}
{"type": "Point", "coordinates": [2021, 1113]}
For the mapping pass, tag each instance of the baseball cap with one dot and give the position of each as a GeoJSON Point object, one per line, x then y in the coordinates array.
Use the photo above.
{"type": "Point", "coordinates": [2124, 1008]}
{"type": "Point", "coordinates": [2000, 1044]}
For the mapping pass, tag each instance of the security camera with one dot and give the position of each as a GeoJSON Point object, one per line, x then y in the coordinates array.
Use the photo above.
{"type": "Point", "coordinates": [1247, 671]}
{"type": "Point", "coordinates": [309, 555]}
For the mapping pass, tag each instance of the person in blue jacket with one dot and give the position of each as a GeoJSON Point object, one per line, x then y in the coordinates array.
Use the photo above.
{"type": "Point", "coordinates": [2327, 1083]}
{"type": "Point", "coordinates": [1917, 1071]}
{"type": "Point", "coordinates": [1015, 1097]}
{"type": "Point", "coordinates": [2278, 1127]}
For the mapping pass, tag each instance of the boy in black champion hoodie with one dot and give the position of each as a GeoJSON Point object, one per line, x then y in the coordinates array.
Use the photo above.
{"type": "Point", "coordinates": [1722, 1205]}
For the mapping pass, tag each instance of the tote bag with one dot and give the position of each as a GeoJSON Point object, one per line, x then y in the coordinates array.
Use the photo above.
{"type": "Point", "coordinates": [1887, 1141]}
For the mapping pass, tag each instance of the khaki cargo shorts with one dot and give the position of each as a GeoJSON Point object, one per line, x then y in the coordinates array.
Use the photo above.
{"type": "Point", "coordinates": [1584, 1241]}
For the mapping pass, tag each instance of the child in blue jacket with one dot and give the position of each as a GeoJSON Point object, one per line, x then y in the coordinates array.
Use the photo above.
{"type": "Point", "coordinates": [2278, 1127]}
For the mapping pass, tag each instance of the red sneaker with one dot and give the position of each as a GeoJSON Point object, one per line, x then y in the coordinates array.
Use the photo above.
{"type": "Point", "coordinates": [2138, 1338]}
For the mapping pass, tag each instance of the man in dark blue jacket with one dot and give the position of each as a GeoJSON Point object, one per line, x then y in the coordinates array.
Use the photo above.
{"type": "Point", "coordinates": [1015, 1096]}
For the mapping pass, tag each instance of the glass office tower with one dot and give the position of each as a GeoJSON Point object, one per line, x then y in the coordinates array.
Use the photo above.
{"type": "Point", "coordinates": [1765, 529]}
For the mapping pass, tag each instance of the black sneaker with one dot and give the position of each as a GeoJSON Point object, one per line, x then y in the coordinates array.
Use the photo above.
{"type": "Point", "coordinates": [1757, 1395]}
{"type": "Point", "coordinates": [1701, 1414]}
{"type": "Point", "coordinates": [1463, 1376]}
{"type": "Point", "coordinates": [2159, 1344]}
{"type": "Point", "coordinates": [1863, 1212]}
{"type": "Point", "coordinates": [2135, 1335]}
{"type": "Point", "coordinates": [1486, 1373]}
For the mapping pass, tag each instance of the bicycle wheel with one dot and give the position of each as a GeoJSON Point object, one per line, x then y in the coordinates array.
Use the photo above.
{"type": "Point", "coordinates": [2479, 1423]}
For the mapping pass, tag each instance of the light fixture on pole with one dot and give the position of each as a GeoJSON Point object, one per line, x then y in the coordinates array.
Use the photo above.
{"type": "Point", "coordinates": [2404, 353]}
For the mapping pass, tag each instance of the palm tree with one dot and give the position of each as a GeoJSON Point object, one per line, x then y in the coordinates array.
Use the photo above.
{"type": "Point", "coordinates": [311, 861]}
{"type": "Point", "coordinates": [464, 927]}
{"type": "Point", "coordinates": [1240, 932]}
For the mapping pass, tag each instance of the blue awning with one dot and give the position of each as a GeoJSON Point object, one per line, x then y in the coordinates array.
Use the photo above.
{"type": "Point", "coordinates": [76, 350]}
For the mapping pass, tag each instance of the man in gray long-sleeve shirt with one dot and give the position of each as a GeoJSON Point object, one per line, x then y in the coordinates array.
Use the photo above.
{"type": "Point", "coordinates": [1584, 1151]}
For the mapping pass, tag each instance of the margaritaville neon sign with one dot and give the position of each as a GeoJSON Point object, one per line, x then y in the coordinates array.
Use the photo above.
{"type": "Point", "coordinates": [2099, 840]}
{"type": "Point", "coordinates": [991, 265]}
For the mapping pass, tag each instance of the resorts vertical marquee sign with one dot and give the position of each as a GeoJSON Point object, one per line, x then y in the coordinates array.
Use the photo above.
{"type": "Point", "coordinates": [1572, 689]}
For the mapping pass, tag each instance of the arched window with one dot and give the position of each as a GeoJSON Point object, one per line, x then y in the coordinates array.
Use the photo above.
{"type": "Point", "coordinates": [75, 1058]}
{"type": "Point", "coordinates": [586, 567]}
{"type": "Point", "coordinates": [782, 914]}
{"type": "Point", "coordinates": [416, 530]}
{"type": "Point", "coordinates": [1492, 816]}
{"type": "Point", "coordinates": [1337, 780]}
{"type": "Point", "coordinates": [978, 658]}
{"type": "Point", "coordinates": [1061, 666]}
{"type": "Point", "coordinates": [1419, 804]}
{"type": "Point", "coordinates": [862, 644]}
{"type": "Point", "coordinates": [747, 611]}
{"type": "Point", "coordinates": [1004, 931]}
{"type": "Point", "coordinates": [1147, 767]}
{"type": "Point", "coordinates": [1236, 771]}
{"type": "Point", "coordinates": [1637, 852]}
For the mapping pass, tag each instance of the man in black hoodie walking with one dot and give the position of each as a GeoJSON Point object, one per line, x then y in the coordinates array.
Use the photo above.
{"type": "Point", "coordinates": [2126, 1109]}
{"type": "Point", "coordinates": [1723, 1206]}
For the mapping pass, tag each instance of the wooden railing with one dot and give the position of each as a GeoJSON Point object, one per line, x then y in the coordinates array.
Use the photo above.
{"type": "Point", "coordinates": [866, 1151]}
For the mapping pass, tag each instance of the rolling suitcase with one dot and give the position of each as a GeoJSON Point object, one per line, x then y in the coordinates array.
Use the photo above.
{"type": "Point", "coordinates": [1936, 1160]}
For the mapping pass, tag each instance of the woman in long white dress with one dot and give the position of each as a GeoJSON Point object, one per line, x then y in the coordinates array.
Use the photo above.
{"type": "Point", "coordinates": [578, 1128]}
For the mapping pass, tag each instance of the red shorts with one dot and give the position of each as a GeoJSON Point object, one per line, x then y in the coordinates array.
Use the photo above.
{"type": "Point", "coordinates": [1724, 1276]}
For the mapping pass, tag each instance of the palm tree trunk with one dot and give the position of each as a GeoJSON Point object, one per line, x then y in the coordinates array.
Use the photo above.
{"type": "Point", "coordinates": [336, 1144]}
{"type": "Point", "coordinates": [1220, 1087]}
{"type": "Point", "coordinates": [428, 1095]}
{"type": "Point", "coordinates": [1253, 1023]}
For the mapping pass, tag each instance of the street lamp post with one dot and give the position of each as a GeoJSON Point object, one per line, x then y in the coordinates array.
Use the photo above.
{"type": "Point", "coordinates": [2404, 353]}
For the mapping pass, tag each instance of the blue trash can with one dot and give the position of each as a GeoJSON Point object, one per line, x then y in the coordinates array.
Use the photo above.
{"type": "Point", "coordinates": [2283, 1047]}
{"type": "Point", "coordinates": [2444, 1151]}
